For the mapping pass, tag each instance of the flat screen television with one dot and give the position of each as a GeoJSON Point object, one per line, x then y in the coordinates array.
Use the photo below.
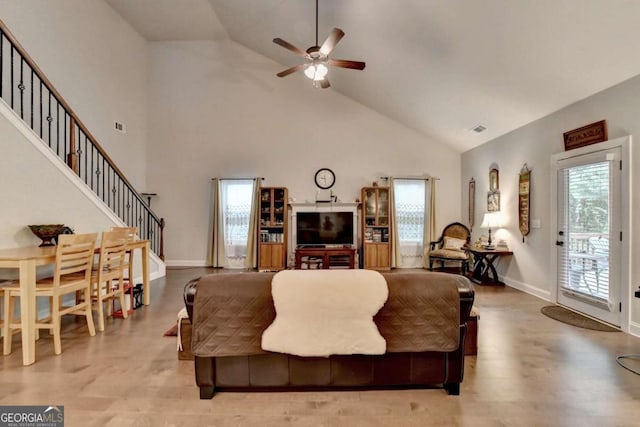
{"type": "Point", "coordinates": [324, 228]}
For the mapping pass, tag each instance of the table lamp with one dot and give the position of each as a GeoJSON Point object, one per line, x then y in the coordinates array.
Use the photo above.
{"type": "Point", "coordinates": [490, 220]}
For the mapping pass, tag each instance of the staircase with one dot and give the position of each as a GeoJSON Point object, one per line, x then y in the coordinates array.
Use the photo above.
{"type": "Point", "coordinates": [28, 92]}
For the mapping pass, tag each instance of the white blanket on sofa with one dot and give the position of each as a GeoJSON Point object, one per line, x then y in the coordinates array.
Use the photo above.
{"type": "Point", "coordinates": [325, 312]}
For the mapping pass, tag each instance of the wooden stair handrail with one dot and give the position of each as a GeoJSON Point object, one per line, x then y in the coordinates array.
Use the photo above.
{"type": "Point", "coordinates": [74, 117]}
{"type": "Point", "coordinates": [76, 125]}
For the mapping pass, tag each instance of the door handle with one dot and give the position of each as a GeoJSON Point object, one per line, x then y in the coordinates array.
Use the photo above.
{"type": "Point", "coordinates": [559, 243]}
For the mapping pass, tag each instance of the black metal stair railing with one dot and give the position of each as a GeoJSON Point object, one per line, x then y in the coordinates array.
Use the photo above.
{"type": "Point", "coordinates": [25, 88]}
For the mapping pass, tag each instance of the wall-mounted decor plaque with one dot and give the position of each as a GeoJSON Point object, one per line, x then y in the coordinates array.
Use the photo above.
{"type": "Point", "coordinates": [586, 135]}
{"type": "Point", "coordinates": [472, 202]}
{"type": "Point", "coordinates": [524, 200]}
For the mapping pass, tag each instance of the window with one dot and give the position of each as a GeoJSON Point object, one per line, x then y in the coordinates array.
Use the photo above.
{"type": "Point", "coordinates": [409, 214]}
{"type": "Point", "coordinates": [236, 202]}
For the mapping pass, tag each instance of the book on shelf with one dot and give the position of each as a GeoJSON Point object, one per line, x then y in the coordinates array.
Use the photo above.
{"type": "Point", "coordinates": [266, 237]}
{"type": "Point", "coordinates": [368, 234]}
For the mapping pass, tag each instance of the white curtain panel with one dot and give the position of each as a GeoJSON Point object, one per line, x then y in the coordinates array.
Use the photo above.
{"type": "Point", "coordinates": [395, 241]}
{"type": "Point", "coordinates": [430, 231]}
{"type": "Point", "coordinates": [251, 261]}
{"type": "Point", "coordinates": [216, 253]}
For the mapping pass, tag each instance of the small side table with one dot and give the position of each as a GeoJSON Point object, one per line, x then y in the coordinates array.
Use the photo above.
{"type": "Point", "coordinates": [484, 272]}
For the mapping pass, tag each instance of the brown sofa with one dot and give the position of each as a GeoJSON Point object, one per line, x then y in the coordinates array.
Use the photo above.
{"type": "Point", "coordinates": [229, 357]}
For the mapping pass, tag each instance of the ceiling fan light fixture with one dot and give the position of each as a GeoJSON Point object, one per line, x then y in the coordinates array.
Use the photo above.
{"type": "Point", "coordinates": [316, 71]}
{"type": "Point", "coordinates": [317, 58]}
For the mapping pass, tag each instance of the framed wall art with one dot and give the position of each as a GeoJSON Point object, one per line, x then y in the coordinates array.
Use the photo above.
{"type": "Point", "coordinates": [493, 201]}
{"type": "Point", "coordinates": [494, 183]}
{"type": "Point", "coordinates": [472, 202]}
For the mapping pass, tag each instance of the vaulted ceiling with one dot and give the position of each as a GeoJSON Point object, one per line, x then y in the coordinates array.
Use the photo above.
{"type": "Point", "coordinates": [440, 67]}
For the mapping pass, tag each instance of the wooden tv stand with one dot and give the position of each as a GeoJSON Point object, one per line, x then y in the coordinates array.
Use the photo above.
{"type": "Point", "coordinates": [327, 254]}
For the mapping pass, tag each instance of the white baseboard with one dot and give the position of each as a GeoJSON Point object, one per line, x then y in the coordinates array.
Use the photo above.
{"type": "Point", "coordinates": [544, 294]}
{"type": "Point", "coordinates": [187, 263]}
{"type": "Point", "coordinates": [156, 275]}
{"type": "Point", "coordinates": [634, 329]}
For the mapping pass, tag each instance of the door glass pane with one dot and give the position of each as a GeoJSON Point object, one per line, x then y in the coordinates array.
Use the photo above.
{"type": "Point", "coordinates": [584, 263]}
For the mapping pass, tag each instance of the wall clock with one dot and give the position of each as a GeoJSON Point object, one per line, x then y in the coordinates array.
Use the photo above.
{"type": "Point", "coordinates": [325, 178]}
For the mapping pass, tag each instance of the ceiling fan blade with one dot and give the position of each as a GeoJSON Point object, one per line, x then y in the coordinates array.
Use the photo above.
{"type": "Point", "coordinates": [345, 63]}
{"type": "Point", "coordinates": [291, 47]}
{"type": "Point", "coordinates": [336, 35]}
{"type": "Point", "coordinates": [288, 71]}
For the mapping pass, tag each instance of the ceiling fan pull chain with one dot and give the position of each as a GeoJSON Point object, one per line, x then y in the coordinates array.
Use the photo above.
{"type": "Point", "coordinates": [316, 22]}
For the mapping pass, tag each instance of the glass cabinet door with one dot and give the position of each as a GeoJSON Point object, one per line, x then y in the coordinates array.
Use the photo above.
{"type": "Point", "coordinates": [370, 207]}
{"type": "Point", "coordinates": [383, 206]}
{"type": "Point", "coordinates": [265, 207]}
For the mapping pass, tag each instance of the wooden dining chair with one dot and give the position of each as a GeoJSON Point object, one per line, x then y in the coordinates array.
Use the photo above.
{"type": "Point", "coordinates": [131, 235]}
{"type": "Point", "coordinates": [72, 273]}
{"type": "Point", "coordinates": [108, 279]}
{"type": "Point", "coordinates": [3, 315]}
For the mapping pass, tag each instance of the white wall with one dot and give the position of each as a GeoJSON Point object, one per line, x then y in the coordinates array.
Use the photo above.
{"type": "Point", "coordinates": [98, 64]}
{"type": "Point", "coordinates": [44, 196]}
{"type": "Point", "coordinates": [529, 268]}
{"type": "Point", "coordinates": [218, 109]}
{"type": "Point", "coordinates": [48, 194]}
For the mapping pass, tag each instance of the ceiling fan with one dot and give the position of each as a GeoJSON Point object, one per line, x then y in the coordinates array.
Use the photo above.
{"type": "Point", "coordinates": [318, 57]}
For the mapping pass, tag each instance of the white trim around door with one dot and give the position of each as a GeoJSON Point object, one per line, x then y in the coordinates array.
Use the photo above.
{"type": "Point", "coordinates": [623, 221]}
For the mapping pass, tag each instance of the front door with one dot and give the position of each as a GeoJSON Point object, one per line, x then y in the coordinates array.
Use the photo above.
{"type": "Point", "coordinates": [589, 234]}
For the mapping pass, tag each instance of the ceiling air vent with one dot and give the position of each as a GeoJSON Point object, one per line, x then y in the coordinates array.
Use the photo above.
{"type": "Point", "coordinates": [479, 129]}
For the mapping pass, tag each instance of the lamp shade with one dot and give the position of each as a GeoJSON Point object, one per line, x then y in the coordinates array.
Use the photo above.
{"type": "Point", "coordinates": [490, 220]}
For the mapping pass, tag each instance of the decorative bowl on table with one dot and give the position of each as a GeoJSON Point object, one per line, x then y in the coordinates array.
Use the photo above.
{"type": "Point", "coordinates": [48, 232]}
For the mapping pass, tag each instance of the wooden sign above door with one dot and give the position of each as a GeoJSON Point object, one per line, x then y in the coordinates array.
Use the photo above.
{"type": "Point", "coordinates": [586, 135]}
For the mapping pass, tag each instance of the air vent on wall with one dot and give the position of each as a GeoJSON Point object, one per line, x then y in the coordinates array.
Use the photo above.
{"type": "Point", "coordinates": [479, 129]}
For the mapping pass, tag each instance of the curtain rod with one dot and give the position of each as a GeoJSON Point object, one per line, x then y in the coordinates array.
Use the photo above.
{"type": "Point", "coordinates": [426, 178]}
{"type": "Point", "coordinates": [238, 179]}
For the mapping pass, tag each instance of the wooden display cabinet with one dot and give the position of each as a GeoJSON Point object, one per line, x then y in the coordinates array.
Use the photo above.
{"type": "Point", "coordinates": [376, 228]}
{"type": "Point", "coordinates": [272, 233]}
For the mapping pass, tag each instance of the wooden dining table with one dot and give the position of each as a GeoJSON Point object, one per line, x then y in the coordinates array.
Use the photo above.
{"type": "Point", "coordinates": [26, 260]}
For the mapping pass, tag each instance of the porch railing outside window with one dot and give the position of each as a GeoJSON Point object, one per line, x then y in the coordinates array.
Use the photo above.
{"type": "Point", "coordinates": [237, 224]}
{"type": "Point", "coordinates": [410, 217]}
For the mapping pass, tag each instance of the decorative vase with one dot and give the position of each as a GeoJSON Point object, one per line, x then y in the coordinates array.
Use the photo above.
{"type": "Point", "coordinates": [47, 232]}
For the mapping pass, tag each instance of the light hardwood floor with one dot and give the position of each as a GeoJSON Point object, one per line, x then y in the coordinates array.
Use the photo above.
{"type": "Point", "coordinates": [530, 371]}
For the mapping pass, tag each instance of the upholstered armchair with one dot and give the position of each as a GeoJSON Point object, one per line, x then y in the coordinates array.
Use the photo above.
{"type": "Point", "coordinates": [450, 247]}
